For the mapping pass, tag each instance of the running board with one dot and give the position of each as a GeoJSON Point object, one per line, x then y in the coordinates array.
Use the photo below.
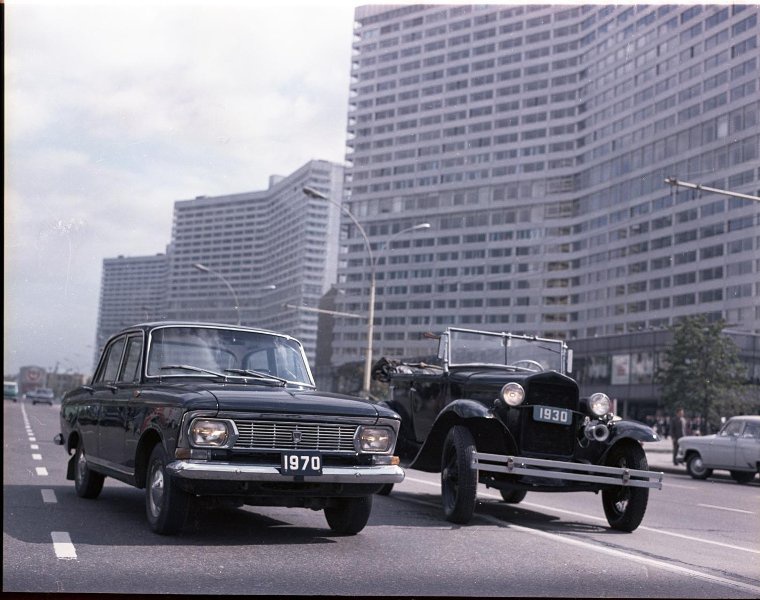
{"type": "Point", "coordinates": [538, 467]}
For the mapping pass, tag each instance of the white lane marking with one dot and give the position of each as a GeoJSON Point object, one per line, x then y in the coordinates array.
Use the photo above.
{"type": "Point", "coordinates": [36, 456]}
{"type": "Point", "coordinates": [595, 518]}
{"type": "Point", "coordinates": [32, 439]}
{"type": "Point", "coordinates": [35, 446]}
{"type": "Point", "coordinates": [48, 496]}
{"type": "Point", "coordinates": [41, 471]}
{"type": "Point", "coordinates": [682, 487]}
{"type": "Point", "coordinates": [746, 512]}
{"type": "Point", "coordinates": [62, 545]}
{"type": "Point", "coordinates": [616, 553]}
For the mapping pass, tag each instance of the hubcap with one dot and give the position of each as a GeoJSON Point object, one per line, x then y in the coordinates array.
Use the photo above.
{"type": "Point", "coordinates": [156, 492]}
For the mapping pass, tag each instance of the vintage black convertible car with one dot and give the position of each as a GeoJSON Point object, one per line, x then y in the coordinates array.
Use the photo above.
{"type": "Point", "coordinates": [500, 409]}
{"type": "Point", "coordinates": [203, 412]}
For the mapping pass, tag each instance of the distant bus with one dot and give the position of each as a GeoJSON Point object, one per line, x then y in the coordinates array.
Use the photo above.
{"type": "Point", "coordinates": [10, 390]}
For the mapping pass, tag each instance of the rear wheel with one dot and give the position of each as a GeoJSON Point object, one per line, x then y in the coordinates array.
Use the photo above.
{"type": "Point", "coordinates": [624, 506]}
{"type": "Point", "coordinates": [88, 483]}
{"type": "Point", "coordinates": [348, 516]}
{"type": "Point", "coordinates": [458, 478]}
{"type": "Point", "coordinates": [696, 467]}
{"type": "Point", "coordinates": [742, 476]}
{"type": "Point", "coordinates": [166, 506]}
{"type": "Point", "coordinates": [513, 496]}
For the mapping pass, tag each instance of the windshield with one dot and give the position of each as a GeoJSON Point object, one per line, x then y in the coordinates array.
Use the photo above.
{"type": "Point", "coordinates": [204, 351]}
{"type": "Point", "coordinates": [484, 348]}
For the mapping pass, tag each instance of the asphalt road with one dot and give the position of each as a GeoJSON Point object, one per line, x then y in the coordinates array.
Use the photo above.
{"type": "Point", "coordinates": [699, 539]}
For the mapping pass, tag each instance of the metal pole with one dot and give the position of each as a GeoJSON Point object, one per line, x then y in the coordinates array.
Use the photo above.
{"type": "Point", "coordinates": [696, 186]}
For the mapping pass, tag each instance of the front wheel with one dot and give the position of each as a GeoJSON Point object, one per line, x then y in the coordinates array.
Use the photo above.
{"type": "Point", "coordinates": [624, 506]}
{"type": "Point", "coordinates": [348, 516]}
{"type": "Point", "coordinates": [87, 483]}
{"type": "Point", "coordinates": [695, 467]}
{"type": "Point", "coordinates": [459, 480]}
{"type": "Point", "coordinates": [742, 476]}
{"type": "Point", "coordinates": [165, 505]}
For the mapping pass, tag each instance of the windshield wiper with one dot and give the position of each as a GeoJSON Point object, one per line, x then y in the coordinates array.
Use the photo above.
{"type": "Point", "coordinates": [257, 375]}
{"type": "Point", "coordinates": [195, 369]}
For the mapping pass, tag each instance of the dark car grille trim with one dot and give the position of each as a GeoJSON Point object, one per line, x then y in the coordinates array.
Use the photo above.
{"type": "Point", "coordinates": [279, 435]}
{"type": "Point", "coordinates": [548, 438]}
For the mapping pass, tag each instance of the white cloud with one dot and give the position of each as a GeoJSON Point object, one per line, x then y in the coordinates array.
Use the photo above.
{"type": "Point", "coordinates": [114, 112]}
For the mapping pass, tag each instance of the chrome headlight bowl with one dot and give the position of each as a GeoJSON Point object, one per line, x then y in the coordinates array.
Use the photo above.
{"type": "Point", "coordinates": [513, 394]}
{"type": "Point", "coordinates": [599, 404]}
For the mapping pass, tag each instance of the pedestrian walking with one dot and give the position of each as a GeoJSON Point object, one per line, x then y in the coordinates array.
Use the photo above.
{"type": "Point", "coordinates": [678, 429]}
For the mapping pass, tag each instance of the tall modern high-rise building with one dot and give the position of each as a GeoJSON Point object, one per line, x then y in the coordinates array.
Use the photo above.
{"type": "Point", "coordinates": [536, 140]}
{"type": "Point", "coordinates": [262, 257]}
{"type": "Point", "coordinates": [132, 290]}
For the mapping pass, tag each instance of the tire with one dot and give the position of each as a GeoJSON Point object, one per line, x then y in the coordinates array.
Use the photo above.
{"type": "Point", "coordinates": [513, 496]}
{"type": "Point", "coordinates": [625, 506]}
{"type": "Point", "coordinates": [348, 516]}
{"type": "Point", "coordinates": [459, 480]}
{"type": "Point", "coordinates": [386, 489]}
{"type": "Point", "coordinates": [696, 468]}
{"type": "Point", "coordinates": [166, 506]}
{"type": "Point", "coordinates": [742, 476]}
{"type": "Point", "coordinates": [87, 483]}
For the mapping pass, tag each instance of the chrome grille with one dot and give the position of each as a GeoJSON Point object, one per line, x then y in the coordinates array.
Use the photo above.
{"type": "Point", "coordinates": [276, 435]}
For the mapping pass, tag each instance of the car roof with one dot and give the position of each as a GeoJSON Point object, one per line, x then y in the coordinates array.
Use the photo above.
{"type": "Point", "coordinates": [752, 418]}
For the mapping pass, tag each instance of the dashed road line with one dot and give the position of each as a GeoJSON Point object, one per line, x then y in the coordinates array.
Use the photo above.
{"type": "Point", "coordinates": [62, 545]}
{"type": "Point", "coordinates": [42, 471]}
{"type": "Point", "coordinates": [738, 510]}
{"type": "Point", "coordinates": [48, 496]}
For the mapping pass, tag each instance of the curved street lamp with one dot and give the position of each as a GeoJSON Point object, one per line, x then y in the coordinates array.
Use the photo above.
{"type": "Point", "coordinates": [204, 269]}
{"type": "Point", "coordinates": [312, 193]}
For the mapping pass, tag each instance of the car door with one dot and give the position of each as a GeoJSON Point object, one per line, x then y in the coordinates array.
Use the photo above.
{"type": "Point", "coordinates": [723, 450]}
{"type": "Point", "coordinates": [112, 405]}
{"type": "Point", "coordinates": [748, 446]}
{"type": "Point", "coordinates": [425, 396]}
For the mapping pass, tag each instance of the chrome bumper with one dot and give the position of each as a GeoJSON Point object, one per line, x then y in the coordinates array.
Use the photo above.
{"type": "Point", "coordinates": [568, 471]}
{"type": "Point", "coordinates": [203, 470]}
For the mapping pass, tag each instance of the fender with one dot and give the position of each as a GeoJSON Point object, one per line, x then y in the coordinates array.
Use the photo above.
{"type": "Point", "coordinates": [483, 424]}
{"type": "Point", "coordinates": [629, 430]}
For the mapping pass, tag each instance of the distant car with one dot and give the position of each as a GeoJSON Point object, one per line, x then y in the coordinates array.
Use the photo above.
{"type": "Point", "coordinates": [735, 448]}
{"type": "Point", "coordinates": [41, 396]}
{"type": "Point", "coordinates": [10, 390]}
{"type": "Point", "coordinates": [217, 414]}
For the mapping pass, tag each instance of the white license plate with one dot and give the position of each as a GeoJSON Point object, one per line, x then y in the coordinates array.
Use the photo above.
{"type": "Point", "coordinates": [549, 414]}
{"type": "Point", "coordinates": [301, 463]}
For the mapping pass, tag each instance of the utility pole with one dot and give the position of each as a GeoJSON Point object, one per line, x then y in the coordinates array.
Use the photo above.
{"type": "Point", "coordinates": [703, 188]}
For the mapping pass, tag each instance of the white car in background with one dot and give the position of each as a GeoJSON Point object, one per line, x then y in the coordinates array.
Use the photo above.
{"type": "Point", "coordinates": [735, 448]}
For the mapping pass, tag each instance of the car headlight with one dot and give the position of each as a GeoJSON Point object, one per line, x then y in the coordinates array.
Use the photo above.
{"type": "Point", "coordinates": [375, 439]}
{"type": "Point", "coordinates": [599, 404]}
{"type": "Point", "coordinates": [209, 432]}
{"type": "Point", "coordinates": [513, 394]}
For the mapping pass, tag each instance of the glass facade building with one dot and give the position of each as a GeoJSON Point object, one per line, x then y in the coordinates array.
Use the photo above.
{"type": "Point", "coordinates": [536, 140]}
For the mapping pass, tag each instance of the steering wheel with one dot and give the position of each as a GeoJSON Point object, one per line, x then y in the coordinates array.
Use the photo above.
{"type": "Point", "coordinates": [530, 363]}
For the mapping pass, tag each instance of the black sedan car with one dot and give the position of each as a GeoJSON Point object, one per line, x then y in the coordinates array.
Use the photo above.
{"type": "Point", "coordinates": [500, 409]}
{"type": "Point", "coordinates": [212, 413]}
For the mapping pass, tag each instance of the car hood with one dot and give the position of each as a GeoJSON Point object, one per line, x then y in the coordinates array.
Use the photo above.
{"type": "Point", "coordinates": [295, 401]}
{"type": "Point", "coordinates": [701, 439]}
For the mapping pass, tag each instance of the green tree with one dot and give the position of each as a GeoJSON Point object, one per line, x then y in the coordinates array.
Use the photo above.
{"type": "Point", "coordinates": [702, 371]}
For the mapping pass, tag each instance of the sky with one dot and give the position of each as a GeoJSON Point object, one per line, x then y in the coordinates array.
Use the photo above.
{"type": "Point", "coordinates": [115, 110]}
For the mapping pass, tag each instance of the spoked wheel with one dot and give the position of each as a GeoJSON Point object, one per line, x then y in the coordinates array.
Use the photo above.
{"type": "Point", "coordinates": [513, 496]}
{"type": "Point", "coordinates": [458, 478]}
{"type": "Point", "coordinates": [348, 516]}
{"type": "Point", "coordinates": [625, 506]}
{"type": "Point", "coordinates": [696, 467]}
{"type": "Point", "coordinates": [166, 506]}
{"type": "Point", "coordinates": [87, 483]}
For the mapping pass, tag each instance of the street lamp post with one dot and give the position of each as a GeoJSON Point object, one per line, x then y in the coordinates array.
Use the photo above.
{"type": "Point", "coordinates": [312, 193]}
{"type": "Point", "coordinates": [204, 269]}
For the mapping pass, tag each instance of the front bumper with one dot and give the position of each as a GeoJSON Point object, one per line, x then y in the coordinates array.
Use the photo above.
{"type": "Point", "coordinates": [221, 471]}
{"type": "Point", "coordinates": [567, 471]}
